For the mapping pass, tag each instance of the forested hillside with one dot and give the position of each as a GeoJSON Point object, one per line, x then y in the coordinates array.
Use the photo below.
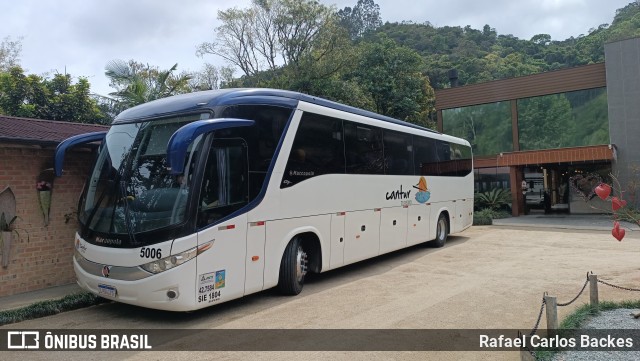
{"type": "Point", "coordinates": [483, 54]}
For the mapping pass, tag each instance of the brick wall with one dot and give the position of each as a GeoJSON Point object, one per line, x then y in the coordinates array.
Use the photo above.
{"type": "Point", "coordinates": [45, 260]}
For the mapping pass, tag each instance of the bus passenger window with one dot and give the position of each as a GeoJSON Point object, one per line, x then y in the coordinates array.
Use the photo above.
{"type": "Point", "coordinates": [398, 153]}
{"type": "Point", "coordinates": [426, 161]}
{"type": "Point", "coordinates": [317, 149]}
{"type": "Point", "coordinates": [363, 148]}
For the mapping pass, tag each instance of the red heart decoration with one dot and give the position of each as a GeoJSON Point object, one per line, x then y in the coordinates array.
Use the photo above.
{"type": "Point", "coordinates": [618, 233]}
{"type": "Point", "coordinates": [616, 225]}
{"type": "Point", "coordinates": [617, 203]}
{"type": "Point", "coordinates": [603, 190]}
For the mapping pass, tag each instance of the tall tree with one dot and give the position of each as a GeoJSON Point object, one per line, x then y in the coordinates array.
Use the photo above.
{"type": "Point", "coordinates": [10, 51]}
{"type": "Point", "coordinates": [271, 34]}
{"type": "Point", "coordinates": [393, 77]}
{"type": "Point", "coordinates": [138, 83]}
{"type": "Point", "coordinates": [211, 77]}
{"type": "Point", "coordinates": [364, 17]}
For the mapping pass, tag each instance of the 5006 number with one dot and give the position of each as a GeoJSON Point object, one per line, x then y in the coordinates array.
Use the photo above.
{"type": "Point", "coordinates": [150, 253]}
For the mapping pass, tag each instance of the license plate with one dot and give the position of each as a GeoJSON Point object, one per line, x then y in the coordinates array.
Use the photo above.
{"type": "Point", "coordinates": [107, 290]}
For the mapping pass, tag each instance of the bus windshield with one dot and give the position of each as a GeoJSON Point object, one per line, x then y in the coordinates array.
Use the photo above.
{"type": "Point", "coordinates": [130, 189]}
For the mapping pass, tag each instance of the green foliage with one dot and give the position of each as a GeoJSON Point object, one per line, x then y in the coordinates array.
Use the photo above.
{"type": "Point", "coordinates": [138, 83]}
{"type": "Point", "coordinates": [391, 76]}
{"type": "Point", "coordinates": [493, 199]}
{"type": "Point", "coordinates": [362, 19]}
{"type": "Point", "coordinates": [487, 127]}
{"type": "Point", "coordinates": [485, 217]}
{"type": "Point", "coordinates": [257, 38]}
{"type": "Point", "coordinates": [482, 218]}
{"type": "Point", "coordinates": [48, 308]}
{"type": "Point", "coordinates": [56, 98]}
{"type": "Point", "coordinates": [483, 55]}
{"type": "Point", "coordinates": [391, 69]}
{"type": "Point", "coordinates": [8, 226]}
{"type": "Point", "coordinates": [542, 122]}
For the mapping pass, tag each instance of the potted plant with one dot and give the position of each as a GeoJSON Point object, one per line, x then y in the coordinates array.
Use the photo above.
{"type": "Point", "coordinates": [6, 235]}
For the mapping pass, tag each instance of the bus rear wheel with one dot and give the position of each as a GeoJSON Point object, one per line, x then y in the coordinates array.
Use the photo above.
{"type": "Point", "coordinates": [293, 268]}
{"type": "Point", "coordinates": [442, 231]}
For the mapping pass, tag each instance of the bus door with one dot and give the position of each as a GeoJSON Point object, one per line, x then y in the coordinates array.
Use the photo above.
{"type": "Point", "coordinates": [224, 191]}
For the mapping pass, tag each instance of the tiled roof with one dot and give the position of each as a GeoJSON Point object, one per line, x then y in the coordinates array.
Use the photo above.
{"type": "Point", "coordinates": [39, 131]}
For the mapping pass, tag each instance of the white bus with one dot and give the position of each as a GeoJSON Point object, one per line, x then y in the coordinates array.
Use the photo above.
{"type": "Point", "coordinates": [202, 198]}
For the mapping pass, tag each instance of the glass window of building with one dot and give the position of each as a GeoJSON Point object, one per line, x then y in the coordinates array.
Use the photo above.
{"type": "Point", "coordinates": [563, 120]}
{"type": "Point", "coordinates": [487, 127]}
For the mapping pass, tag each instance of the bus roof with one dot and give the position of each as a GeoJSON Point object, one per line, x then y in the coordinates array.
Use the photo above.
{"type": "Point", "coordinates": [207, 100]}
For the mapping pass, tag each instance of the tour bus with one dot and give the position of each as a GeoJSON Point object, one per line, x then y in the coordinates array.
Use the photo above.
{"type": "Point", "coordinates": [202, 198]}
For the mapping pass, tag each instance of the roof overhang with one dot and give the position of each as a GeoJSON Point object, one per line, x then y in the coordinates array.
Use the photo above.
{"type": "Point", "coordinates": [594, 153]}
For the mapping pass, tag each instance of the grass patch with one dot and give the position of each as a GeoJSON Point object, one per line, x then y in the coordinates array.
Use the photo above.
{"type": "Point", "coordinates": [579, 317]}
{"type": "Point", "coordinates": [50, 307]}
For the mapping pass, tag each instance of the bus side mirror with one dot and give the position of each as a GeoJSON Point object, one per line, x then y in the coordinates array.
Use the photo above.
{"type": "Point", "coordinates": [76, 140]}
{"type": "Point", "coordinates": [183, 137]}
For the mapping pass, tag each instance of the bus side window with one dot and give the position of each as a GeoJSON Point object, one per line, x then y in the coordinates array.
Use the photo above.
{"type": "Point", "coordinates": [363, 148]}
{"type": "Point", "coordinates": [225, 181]}
{"type": "Point", "coordinates": [426, 161]}
{"type": "Point", "coordinates": [398, 153]}
{"type": "Point", "coordinates": [317, 149]}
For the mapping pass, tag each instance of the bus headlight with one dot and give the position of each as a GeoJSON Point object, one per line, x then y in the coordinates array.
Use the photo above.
{"type": "Point", "coordinates": [175, 260]}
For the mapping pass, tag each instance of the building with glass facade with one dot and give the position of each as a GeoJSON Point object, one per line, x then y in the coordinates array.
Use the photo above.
{"type": "Point", "coordinates": [551, 137]}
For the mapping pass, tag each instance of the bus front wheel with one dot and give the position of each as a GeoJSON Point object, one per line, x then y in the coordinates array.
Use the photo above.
{"type": "Point", "coordinates": [293, 268]}
{"type": "Point", "coordinates": [442, 231]}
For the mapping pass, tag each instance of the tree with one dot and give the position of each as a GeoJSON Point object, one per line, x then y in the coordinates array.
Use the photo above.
{"type": "Point", "coordinates": [392, 76]}
{"type": "Point", "coordinates": [57, 98]}
{"type": "Point", "coordinates": [272, 34]}
{"type": "Point", "coordinates": [138, 83]}
{"type": "Point", "coordinates": [363, 18]}
{"type": "Point", "coordinates": [211, 77]}
{"type": "Point", "coordinates": [10, 51]}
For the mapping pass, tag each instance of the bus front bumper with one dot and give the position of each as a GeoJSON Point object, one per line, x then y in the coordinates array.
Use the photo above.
{"type": "Point", "coordinates": [171, 290]}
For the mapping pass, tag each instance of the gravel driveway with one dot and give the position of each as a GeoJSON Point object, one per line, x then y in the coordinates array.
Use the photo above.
{"type": "Point", "coordinates": [485, 278]}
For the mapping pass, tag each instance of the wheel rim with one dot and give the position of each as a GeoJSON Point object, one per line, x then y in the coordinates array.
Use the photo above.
{"type": "Point", "coordinates": [442, 229]}
{"type": "Point", "coordinates": [301, 264]}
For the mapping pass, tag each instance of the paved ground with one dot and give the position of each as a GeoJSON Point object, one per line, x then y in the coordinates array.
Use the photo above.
{"type": "Point", "coordinates": [537, 219]}
{"type": "Point", "coordinates": [487, 277]}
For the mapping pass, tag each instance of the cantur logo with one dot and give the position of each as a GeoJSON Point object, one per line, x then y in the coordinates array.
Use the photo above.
{"type": "Point", "coordinates": [423, 194]}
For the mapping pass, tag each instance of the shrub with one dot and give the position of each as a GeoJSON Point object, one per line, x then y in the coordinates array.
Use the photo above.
{"type": "Point", "coordinates": [494, 199]}
{"type": "Point", "coordinates": [483, 218]}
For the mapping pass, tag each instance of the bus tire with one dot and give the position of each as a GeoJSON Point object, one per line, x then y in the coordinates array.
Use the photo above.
{"type": "Point", "coordinates": [442, 231]}
{"type": "Point", "coordinates": [293, 268]}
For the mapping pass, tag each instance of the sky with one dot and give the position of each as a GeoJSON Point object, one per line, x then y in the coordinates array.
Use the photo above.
{"type": "Point", "coordinates": [79, 37]}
